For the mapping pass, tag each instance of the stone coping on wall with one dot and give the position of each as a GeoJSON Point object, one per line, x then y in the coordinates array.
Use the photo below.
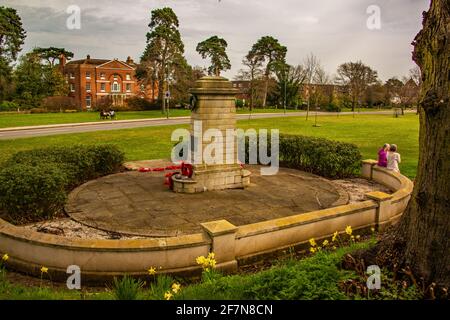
{"type": "Point", "coordinates": [101, 258]}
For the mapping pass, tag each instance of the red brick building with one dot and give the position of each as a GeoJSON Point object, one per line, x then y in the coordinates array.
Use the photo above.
{"type": "Point", "coordinates": [94, 83]}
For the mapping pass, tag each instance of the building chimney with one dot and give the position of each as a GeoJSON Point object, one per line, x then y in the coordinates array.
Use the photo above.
{"type": "Point", "coordinates": [62, 62]}
{"type": "Point", "coordinates": [129, 60]}
{"type": "Point", "coordinates": [88, 57]}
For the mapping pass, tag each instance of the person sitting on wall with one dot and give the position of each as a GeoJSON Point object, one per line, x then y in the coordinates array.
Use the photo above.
{"type": "Point", "coordinates": [382, 156]}
{"type": "Point", "coordinates": [393, 159]}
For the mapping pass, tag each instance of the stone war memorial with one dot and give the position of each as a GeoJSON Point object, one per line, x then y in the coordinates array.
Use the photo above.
{"type": "Point", "coordinates": [214, 109]}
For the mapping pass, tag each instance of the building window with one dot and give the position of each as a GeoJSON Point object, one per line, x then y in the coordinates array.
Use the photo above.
{"type": "Point", "coordinates": [72, 87]}
{"type": "Point", "coordinates": [128, 87]}
{"type": "Point", "coordinates": [128, 77]}
{"type": "Point", "coordinates": [88, 102]}
{"type": "Point", "coordinates": [103, 87]}
{"type": "Point", "coordinates": [142, 88]}
{"type": "Point", "coordinates": [72, 75]}
{"type": "Point", "coordinates": [88, 86]}
{"type": "Point", "coordinates": [102, 76]}
{"type": "Point", "coordinates": [116, 77]}
{"type": "Point", "coordinates": [88, 74]}
{"type": "Point", "coordinates": [115, 87]}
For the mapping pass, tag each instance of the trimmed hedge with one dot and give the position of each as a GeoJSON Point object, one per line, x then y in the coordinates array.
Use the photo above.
{"type": "Point", "coordinates": [32, 191]}
{"type": "Point", "coordinates": [327, 158]}
{"type": "Point", "coordinates": [35, 183]}
{"type": "Point", "coordinates": [81, 163]}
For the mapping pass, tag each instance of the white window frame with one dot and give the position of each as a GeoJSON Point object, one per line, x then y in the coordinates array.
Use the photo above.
{"type": "Point", "coordinates": [71, 75]}
{"type": "Point", "coordinates": [72, 87]}
{"type": "Point", "coordinates": [90, 87]}
{"type": "Point", "coordinates": [128, 85]}
{"type": "Point", "coordinates": [102, 76]}
{"type": "Point", "coordinates": [128, 76]}
{"type": "Point", "coordinates": [115, 85]}
{"type": "Point", "coordinates": [88, 98]}
{"type": "Point", "coordinates": [88, 75]}
{"type": "Point", "coordinates": [103, 87]}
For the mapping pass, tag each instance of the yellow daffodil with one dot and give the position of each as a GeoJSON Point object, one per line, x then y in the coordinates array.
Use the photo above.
{"type": "Point", "coordinates": [168, 295]}
{"type": "Point", "coordinates": [44, 270]}
{"type": "Point", "coordinates": [152, 271]}
{"type": "Point", "coordinates": [207, 262]}
{"type": "Point", "coordinates": [335, 235]}
{"type": "Point", "coordinates": [348, 230]}
{"type": "Point", "coordinates": [334, 247]}
{"type": "Point", "coordinates": [211, 255]}
{"type": "Point", "coordinates": [201, 260]}
{"type": "Point", "coordinates": [325, 243]}
{"type": "Point", "coordinates": [176, 287]}
{"type": "Point", "coordinates": [312, 250]}
{"type": "Point", "coordinates": [5, 257]}
{"type": "Point", "coordinates": [312, 242]}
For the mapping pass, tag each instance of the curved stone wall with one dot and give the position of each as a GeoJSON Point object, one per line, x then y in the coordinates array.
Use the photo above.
{"type": "Point", "coordinates": [102, 259]}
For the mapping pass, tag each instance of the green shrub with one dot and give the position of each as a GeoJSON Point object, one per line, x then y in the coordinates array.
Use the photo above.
{"type": "Point", "coordinates": [34, 183]}
{"type": "Point", "coordinates": [127, 288]}
{"type": "Point", "coordinates": [81, 163]}
{"type": "Point", "coordinates": [239, 103]}
{"type": "Point", "coordinates": [107, 158]}
{"type": "Point", "coordinates": [332, 107]}
{"type": "Point", "coordinates": [8, 106]}
{"type": "Point", "coordinates": [32, 190]}
{"type": "Point", "coordinates": [331, 159]}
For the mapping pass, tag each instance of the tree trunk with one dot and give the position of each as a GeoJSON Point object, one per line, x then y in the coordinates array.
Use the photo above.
{"type": "Point", "coordinates": [266, 89]}
{"type": "Point", "coordinates": [421, 240]}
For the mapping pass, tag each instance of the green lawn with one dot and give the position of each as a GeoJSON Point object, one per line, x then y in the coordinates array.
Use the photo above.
{"type": "Point", "coordinates": [8, 120]}
{"type": "Point", "coordinates": [368, 132]}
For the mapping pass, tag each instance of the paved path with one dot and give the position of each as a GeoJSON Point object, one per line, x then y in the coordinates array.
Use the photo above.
{"type": "Point", "coordinates": [137, 203]}
{"type": "Point", "coordinates": [47, 130]}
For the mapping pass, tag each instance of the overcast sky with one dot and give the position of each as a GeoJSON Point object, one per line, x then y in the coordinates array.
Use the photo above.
{"type": "Point", "coordinates": [334, 30]}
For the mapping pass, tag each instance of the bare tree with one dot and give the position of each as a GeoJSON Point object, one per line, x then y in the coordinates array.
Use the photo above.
{"type": "Point", "coordinates": [357, 77]}
{"type": "Point", "coordinates": [310, 65]}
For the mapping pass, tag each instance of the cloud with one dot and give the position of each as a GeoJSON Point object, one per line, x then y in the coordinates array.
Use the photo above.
{"type": "Point", "coordinates": [334, 30]}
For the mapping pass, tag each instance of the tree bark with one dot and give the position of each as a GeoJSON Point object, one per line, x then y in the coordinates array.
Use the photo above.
{"type": "Point", "coordinates": [421, 240]}
{"type": "Point", "coordinates": [266, 89]}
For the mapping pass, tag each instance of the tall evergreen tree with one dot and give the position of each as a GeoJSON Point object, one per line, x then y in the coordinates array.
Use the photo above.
{"type": "Point", "coordinates": [272, 53]}
{"type": "Point", "coordinates": [164, 48]}
{"type": "Point", "coordinates": [215, 48]}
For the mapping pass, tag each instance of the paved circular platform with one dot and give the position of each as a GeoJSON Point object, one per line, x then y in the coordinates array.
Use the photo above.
{"type": "Point", "coordinates": [137, 203]}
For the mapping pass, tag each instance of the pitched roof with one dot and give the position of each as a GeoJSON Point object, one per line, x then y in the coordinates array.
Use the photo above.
{"type": "Point", "coordinates": [89, 61]}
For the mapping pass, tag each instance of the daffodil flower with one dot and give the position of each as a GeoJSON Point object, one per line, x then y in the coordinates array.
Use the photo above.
{"type": "Point", "coordinates": [152, 271]}
{"type": "Point", "coordinates": [312, 242]}
{"type": "Point", "coordinates": [44, 270]}
{"type": "Point", "coordinates": [5, 257]}
{"type": "Point", "coordinates": [168, 295]}
{"type": "Point", "coordinates": [176, 287]}
{"type": "Point", "coordinates": [335, 235]}
{"type": "Point", "coordinates": [348, 230]}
